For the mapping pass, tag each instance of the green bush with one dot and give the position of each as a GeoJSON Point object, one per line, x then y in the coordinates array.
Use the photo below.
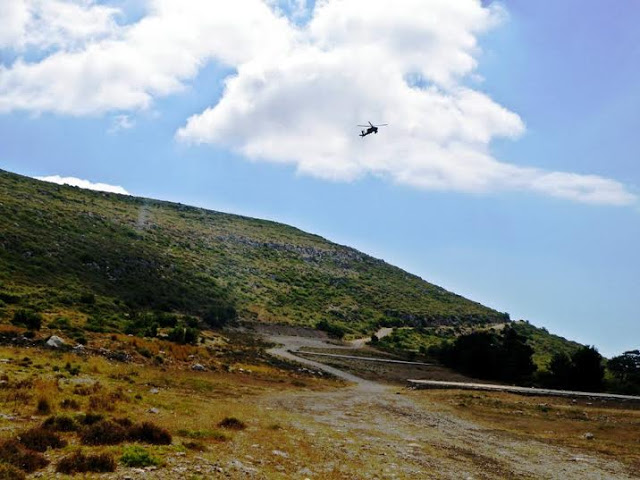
{"type": "Point", "coordinates": [27, 318]}
{"type": "Point", "coordinates": [136, 456]}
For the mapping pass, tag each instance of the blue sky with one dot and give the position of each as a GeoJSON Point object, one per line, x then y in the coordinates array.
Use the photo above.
{"type": "Point", "coordinates": [508, 172]}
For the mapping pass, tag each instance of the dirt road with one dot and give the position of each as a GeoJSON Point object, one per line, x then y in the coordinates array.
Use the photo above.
{"type": "Point", "coordinates": [380, 432]}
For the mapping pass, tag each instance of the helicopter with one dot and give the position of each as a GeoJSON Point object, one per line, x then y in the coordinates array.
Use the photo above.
{"type": "Point", "coordinates": [371, 128]}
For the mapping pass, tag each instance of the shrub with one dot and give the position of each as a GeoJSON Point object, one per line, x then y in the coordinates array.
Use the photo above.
{"type": "Point", "coordinates": [39, 439]}
{"type": "Point", "coordinates": [333, 329]}
{"type": "Point", "coordinates": [12, 452]}
{"type": "Point", "coordinates": [232, 423]}
{"type": "Point", "coordinates": [103, 432]}
{"type": "Point", "coordinates": [27, 318]}
{"type": "Point", "coordinates": [70, 404]}
{"type": "Point", "coordinates": [43, 406]}
{"type": "Point", "coordinates": [88, 298]}
{"type": "Point", "coordinates": [148, 432]}
{"type": "Point", "coordinates": [196, 446]}
{"type": "Point", "coordinates": [60, 323]}
{"type": "Point", "coordinates": [9, 472]}
{"type": "Point", "coordinates": [91, 418]}
{"type": "Point", "coordinates": [78, 462]}
{"type": "Point", "coordinates": [136, 456]}
{"type": "Point", "coordinates": [60, 423]}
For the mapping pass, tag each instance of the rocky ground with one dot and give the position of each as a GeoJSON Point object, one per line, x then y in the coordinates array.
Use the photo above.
{"type": "Point", "coordinates": [364, 430]}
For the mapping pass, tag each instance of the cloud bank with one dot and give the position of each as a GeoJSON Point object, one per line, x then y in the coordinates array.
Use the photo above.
{"type": "Point", "coordinates": [299, 87]}
{"type": "Point", "coordinates": [78, 182]}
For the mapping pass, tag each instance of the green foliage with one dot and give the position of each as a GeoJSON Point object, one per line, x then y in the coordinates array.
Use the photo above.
{"type": "Point", "coordinates": [183, 334]}
{"type": "Point", "coordinates": [334, 329]}
{"type": "Point", "coordinates": [108, 255]}
{"type": "Point", "coordinates": [583, 371]}
{"type": "Point", "coordinates": [625, 370]}
{"type": "Point", "coordinates": [27, 318]}
{"type": "Point", "coordinates": [545, 345]}
{"type": "Point", "coordinates": [136, 456]}
{"type": "Point", "coordinates": [488, 355]}
{"type": "Point", "coordinates": [626, 367]}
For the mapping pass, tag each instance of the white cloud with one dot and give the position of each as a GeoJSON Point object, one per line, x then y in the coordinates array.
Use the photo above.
{"type": "Point", "coordinates": [78, 182]}
{"type": "Point", "coordinates": [121, 122]}
{"type": "Point", "coordinates": [299, 90]}
{"type": "Point", "coordinates": [53, 23]}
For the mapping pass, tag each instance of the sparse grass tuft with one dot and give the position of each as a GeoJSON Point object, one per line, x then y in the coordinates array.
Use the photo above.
{"type": "Point", "coordinates": [9, 472]}
{"type": "Point", "coordinates": [148, 432]}
{"type": "Point", "coordinates": [43, 407]}
{"type": "Point", "coordinates": [232, 423]}
{"type": "Point", "coordinates": [69, 404]}
{"type": "Point", "coordinates": [195, 446]}
{"type": "Point", "coordinates": [14, 453]}
{"type": "Point", "coordinates": [39, 439]}
{"type": "Point", "coordinates": [104, 432]}
{"type": "Point", "coordinates": [91, 418]}
{"type": "Point", "coordinates": [60, 423]}
{"type": "Point", "coordinates": [204, 434]}
{"type": "Point", "coordinates": [78, 462]}
{"type": "Point", "coordinates": [136, 456]}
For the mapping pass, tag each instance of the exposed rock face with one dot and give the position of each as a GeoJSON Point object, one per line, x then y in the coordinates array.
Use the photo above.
{"type": "Point", "coordinates": [55, 342]}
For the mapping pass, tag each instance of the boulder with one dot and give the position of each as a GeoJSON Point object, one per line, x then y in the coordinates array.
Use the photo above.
{"type": "Point", "coordinates": [55, 342]}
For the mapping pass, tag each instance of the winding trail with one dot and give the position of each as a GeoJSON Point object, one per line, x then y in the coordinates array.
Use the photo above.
{"type": "Point", "coordinates": [391, 434]}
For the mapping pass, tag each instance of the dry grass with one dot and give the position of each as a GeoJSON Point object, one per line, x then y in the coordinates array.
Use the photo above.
{"type": "Point", "coordinates": [168, 400]}
{"type": "Point", "coordinates": [615, 427]}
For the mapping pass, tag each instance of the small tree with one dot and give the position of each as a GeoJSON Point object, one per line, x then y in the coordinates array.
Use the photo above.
{"type": "Point", "coordinates": [626, 367]}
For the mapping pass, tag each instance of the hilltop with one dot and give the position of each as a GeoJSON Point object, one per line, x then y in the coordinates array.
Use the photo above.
{"type": "Point", "coordinates": [104, 256]}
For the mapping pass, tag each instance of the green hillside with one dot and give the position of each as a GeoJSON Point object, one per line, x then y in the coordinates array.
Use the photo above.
{"type": "Point", "coordinates": [73, 250]}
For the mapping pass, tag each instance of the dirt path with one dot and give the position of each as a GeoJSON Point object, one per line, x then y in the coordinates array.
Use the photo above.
{"type": "Point", "coordinates": [380, 432]}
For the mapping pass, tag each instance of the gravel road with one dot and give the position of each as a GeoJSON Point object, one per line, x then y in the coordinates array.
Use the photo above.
{"type": "Point", "coordinates": [400, 435]}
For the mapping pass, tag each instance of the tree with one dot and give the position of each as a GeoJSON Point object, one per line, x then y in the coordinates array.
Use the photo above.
{"type": "Point", "coordinates": [626, 367]}
{"type": "Point", "coordinates": [582, 371]}
{"type": "Point", "coordinates": [515, 358]}
{"type": "Point", "coordinates": [588, 371]}
{"type": "Point", "coordinates": [560, 370]}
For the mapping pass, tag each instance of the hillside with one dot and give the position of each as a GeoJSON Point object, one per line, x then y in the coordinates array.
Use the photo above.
{"type": "Point", "coordinates": [85, 252]}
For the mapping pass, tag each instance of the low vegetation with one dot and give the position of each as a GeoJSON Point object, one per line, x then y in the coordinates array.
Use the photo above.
{"type": "Point", "coordinates": [78, 462]}
{"type": "Point", "coordinates": [77, 261]}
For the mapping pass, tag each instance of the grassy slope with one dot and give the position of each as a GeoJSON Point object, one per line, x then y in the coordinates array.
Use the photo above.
{"type": "Point", "coordinates": [58, 243]}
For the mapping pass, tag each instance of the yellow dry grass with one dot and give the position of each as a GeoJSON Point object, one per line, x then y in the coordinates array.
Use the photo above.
{"type": "Point", "coordinates": [615, 427]}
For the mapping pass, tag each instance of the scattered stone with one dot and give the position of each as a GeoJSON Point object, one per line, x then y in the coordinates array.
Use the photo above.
{"type": "Point", "coordinates": [154, 391]}
{"type": "Point", "coordinates": [198, 367]}
{"type": "Point", "coordinates": [55, 342]}
{"type": "Point", "coordinates": [280, 453]}
{"type": "Point", "coordinates": [153, 410]}
{"type": "Point", "coordinates": [305, 471]}
{"type": "Point", "coordinates": [588, 436]}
